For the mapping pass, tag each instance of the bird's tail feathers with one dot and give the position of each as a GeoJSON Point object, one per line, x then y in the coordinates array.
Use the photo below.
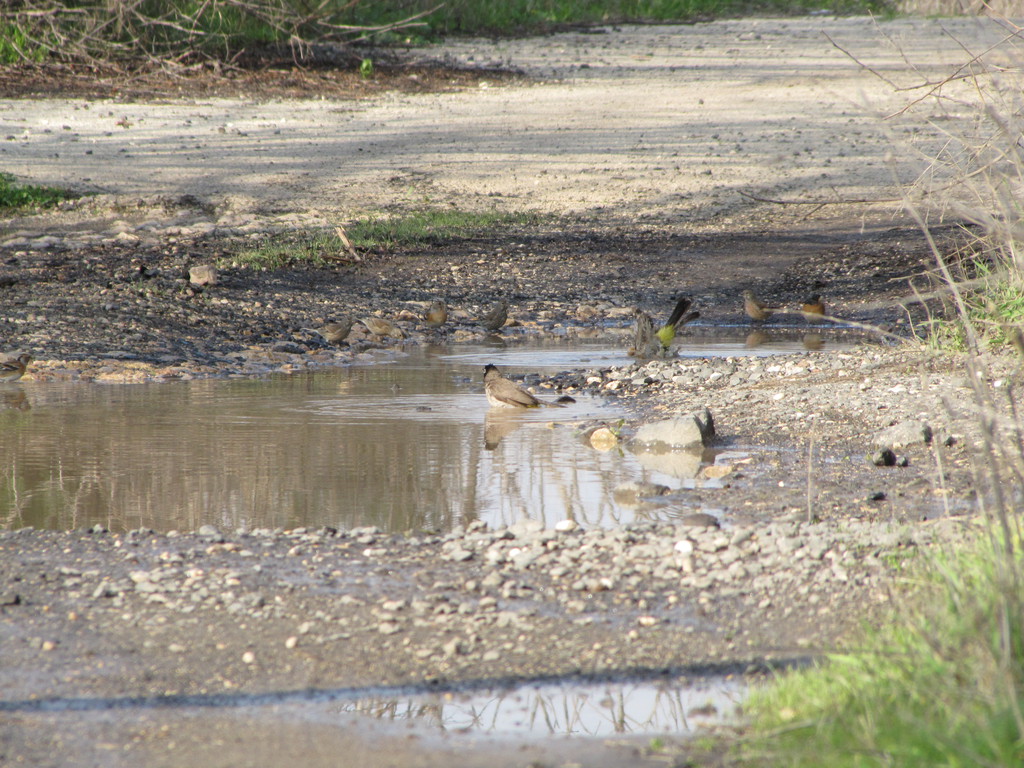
{"type": "Point", "coordinates": [681, 306]}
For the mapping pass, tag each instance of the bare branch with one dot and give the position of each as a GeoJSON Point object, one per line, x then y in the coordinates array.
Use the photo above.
{"type": "Point", "coordinates": [820, 203]}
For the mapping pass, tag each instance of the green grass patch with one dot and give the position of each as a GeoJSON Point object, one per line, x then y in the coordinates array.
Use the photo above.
{"type": "Point", "coordinates": [280, 252]}
{"type": "Point", "coordinates": [419, 228]}
{"type": "Point", "coordinates": [993, 304]}
{"type": "Point", "coordinates": [939, 683]}
{"type": "Point", "coordinates": [16, 46]}
{"type": "Point", "coordinates": [470, 17]}
{"type": "Point", "coordinates": [14, 196]}
{"type": "Point", "coordinates": [432, 226]}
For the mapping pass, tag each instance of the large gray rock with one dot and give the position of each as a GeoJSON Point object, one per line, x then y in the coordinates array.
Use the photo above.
{"type": "Point", "coordinates": [903, 434]}
{"type": "Point", "coordinates": [695, 430]}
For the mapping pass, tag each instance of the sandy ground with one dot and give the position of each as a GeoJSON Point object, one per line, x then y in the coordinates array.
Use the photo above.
{"type": "Point", "coordinates": [652, 122]}
{"type": "Point", "coordinates": [640, 126]}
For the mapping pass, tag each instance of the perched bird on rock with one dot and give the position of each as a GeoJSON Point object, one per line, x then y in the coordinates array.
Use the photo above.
{"type": "Point", "coordinates": [14, 369]}
{"type": "Point", "coordinates": [813, 308]}
{"type": "Point", "coordinates": [643, 334]}
{"type": "Point", "coordinates": [495, 316]}
{"type": "Point", "coordinates": [378, 326]}
{"type": "Point", "coordinates": [756, 310]}
{"type": "Point", "coordinates": [502, 393]}
{"type": "Point", "coordinates": [335, 333]}
{"type": "Point", "coordinates": [436, 314]}
{"type": "Point", "coordinates": [677, 319]}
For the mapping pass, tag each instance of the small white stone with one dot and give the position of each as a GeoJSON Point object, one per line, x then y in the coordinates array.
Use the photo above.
{"type": "Point", "coordinates": [248, 657]}
{"type": "Point", "coordinates": [565, 526]}
{"type": "Point", "coordinates": [684, 546]}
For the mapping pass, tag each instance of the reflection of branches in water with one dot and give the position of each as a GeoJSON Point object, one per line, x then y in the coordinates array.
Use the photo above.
{"type": "Point", "coordinates": [546, 474]}
{"type": "Point", "coordinates": [289, 452]}
{"type": "Point", "coordinates": [624, 709]}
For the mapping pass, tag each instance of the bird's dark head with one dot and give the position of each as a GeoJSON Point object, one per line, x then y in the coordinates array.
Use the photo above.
{"type": "Point", "coordinates": [490, 367]}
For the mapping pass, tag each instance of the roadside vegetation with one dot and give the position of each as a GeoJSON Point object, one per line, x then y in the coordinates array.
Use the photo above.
{"type": "Point", "coordinates": [182, 31]}
{"type": "Point", "coordinates": [421, 227]}
{"type": "Point", "coordinates": [939, 684]}
{"type": "Point", "coordinates": [940, 680]}
{"type": "Point", "coordinates": [16, 197]}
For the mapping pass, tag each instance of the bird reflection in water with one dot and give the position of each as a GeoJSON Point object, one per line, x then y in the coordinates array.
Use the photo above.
{"type": "Point", "coordinates": [756, 339]}
{"type": "Point", "coordinates": [498, 424]}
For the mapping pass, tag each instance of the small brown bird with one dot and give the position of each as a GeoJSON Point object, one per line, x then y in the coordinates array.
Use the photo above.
{"type": "Point", "coordinates": [643, 335]}
{"type": "Point", "coordinates": [436, 314]}
{"type": "Point", "coordinates": [756, 310]}
{"type": "Point", "coordinates": [335, 333]}
{"type": "Point", "coordinates": [378, 326]}
{"type": "Point", "coordinates": [14, 369]}
{"type": "Point", "coordinates": [502, 393]}
{"type": "Point", "coordinates": [813, 308]}
{"type": "Point", "coordinates": [495, 316]}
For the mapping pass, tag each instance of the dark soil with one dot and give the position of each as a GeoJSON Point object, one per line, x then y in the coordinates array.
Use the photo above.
{"type": "Point", "coordinates": [278, 79]}
{"type": "Point", "coordinates": [123, 297]}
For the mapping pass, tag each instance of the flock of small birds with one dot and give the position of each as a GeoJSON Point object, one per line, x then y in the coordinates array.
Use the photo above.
{"type": "Point", "coordinates": [501, 392]}
{"type": "Point", "coordinates": [645, 342]}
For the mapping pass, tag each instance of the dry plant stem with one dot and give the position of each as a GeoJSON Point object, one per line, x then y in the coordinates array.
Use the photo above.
{"type": "Point", "coordinates": [810, 476]}
{"type": "Point", "coordinates": [933, 86]}
{"type": "Point", "coordinates": [821, 203]}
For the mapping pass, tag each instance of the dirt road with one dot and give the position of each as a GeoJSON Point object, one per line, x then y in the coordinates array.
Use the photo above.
{"type": "Point", "coordinates": [637, 123]}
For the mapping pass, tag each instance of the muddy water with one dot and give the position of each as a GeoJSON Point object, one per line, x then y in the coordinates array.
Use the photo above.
{"type": "Point", "coordinates": [405, 441]}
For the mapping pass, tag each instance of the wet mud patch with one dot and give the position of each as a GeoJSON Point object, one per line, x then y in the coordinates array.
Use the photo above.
{"type": "Point", "coordinates": [133, 301]}
{"type": "Point", "coordinates": [280, 77]}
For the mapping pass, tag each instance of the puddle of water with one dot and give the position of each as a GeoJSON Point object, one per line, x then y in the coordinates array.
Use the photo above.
{"type": "Point", "coordinates": [595, 709]}
{"type": "Point", "coordinates": [407, 443]}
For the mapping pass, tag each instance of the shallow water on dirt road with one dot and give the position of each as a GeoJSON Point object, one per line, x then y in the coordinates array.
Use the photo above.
{"type": "Point", "coordinates": [563, 709]}
{"type": "Point", "coordinates": [405, 442]}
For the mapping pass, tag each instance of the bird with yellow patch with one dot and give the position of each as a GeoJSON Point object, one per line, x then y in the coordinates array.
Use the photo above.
{"type": "Point", "coordinates": [676, 320]}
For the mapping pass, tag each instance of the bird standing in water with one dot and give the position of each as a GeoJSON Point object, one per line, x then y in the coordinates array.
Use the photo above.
{"type": "Point", "coordinates": [676, 320]}
{"type": "Point", "coordinates": [813, 308]}
{"type": "Point", "coordinates": [14, 369]}
{"type": "Point", "coordinates": [502, 393]}
{"type": "Point", "coordinates": [756, 310]}
{"type": "Point", "coordinates": [643, 334]}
